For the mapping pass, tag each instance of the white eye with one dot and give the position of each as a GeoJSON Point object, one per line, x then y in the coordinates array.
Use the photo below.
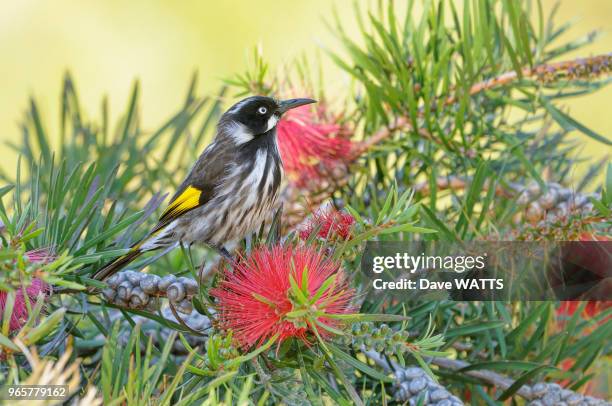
{"type": "Point", "coordinates": [262, 110]}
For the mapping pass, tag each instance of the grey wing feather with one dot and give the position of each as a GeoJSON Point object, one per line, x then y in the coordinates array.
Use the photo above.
{"type": "Point", "coordinates": [205, 175]}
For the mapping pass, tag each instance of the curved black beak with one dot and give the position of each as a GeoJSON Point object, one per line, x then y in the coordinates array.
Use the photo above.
{"type": "Point", "coordinates": [286, 105]}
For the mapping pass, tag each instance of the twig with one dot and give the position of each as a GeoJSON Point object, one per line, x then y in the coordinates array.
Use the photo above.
{"type": "Point", "coordinates": [572, 69]}
{"type": "Point", "coordinates": [576, 68]}
{"type": "Point", "coordinates": [493, 378]}
{"type": "Point", "coordinates": [456, 183]}
{"type": "Point", "coordinates": [402, 123]}
{"type": "Point", "coordinates": [455, 365]}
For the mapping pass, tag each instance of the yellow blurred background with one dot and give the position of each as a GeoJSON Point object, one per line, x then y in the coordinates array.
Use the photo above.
{"type": "Point", "coordinates": [107, 44]}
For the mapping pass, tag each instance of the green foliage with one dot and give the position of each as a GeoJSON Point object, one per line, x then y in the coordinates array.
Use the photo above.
{"type": "Point", "coordinates": [90, 196]}
{"type": "Point", "coordinates": [420, 71]}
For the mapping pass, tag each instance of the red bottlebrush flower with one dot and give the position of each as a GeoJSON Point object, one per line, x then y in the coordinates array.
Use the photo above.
{"type": "Point", "coordinates": [257, 300]}
{"type": "Point", "coordinates": [310, 148]}
{"type": "Point", "coordinates": [38, 287]}
{"type": "Point", "coordinates": [591, 309]}
{"type": "Point", "coordinates": [40, 256]}
{"type": "Point", "coordinates": [20, 309]}
{"type": "Point", "coordinates": [330, 223]}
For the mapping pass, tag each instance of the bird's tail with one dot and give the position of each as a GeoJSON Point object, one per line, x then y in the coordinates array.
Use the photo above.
{"type": "Point", "coordinates": [118, 264]}
{"type": "Point", "coordinates": [156, 240]}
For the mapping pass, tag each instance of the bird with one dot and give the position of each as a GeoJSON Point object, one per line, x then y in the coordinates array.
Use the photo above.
{"type": "Point", "coordinates": [231, 189]}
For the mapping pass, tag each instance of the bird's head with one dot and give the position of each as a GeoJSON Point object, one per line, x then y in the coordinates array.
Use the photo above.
{"type": "Point", "coordinates": [256, 115]}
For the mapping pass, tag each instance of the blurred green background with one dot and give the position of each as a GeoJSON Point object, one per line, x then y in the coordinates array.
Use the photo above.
{"type": "Point", "coordinates": [107, 44]}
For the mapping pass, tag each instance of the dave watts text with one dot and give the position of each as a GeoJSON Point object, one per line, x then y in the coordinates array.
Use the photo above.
{"type": "Point", "coordinates": [426, 284]}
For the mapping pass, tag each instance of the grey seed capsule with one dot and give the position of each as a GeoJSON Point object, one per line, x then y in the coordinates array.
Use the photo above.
{"type": "Point", "coordinates": [198, 322]}
{"type": "Point", "coordinates": [456, 400]}
{"type": "Point", "coordinates": [574, 399]}
{"type": "Point", "coordinates": [412, 372]}
{"type": "Point", "coordinates": [417, 385]}
{"type": "Point", "coordinates": [178, 346]}
{"type": "Point", "coordinates": [538, 389]}
{"type": "Point", "coordinates": [551, 398]}
{"type": "Point", "coordinates": [153, 304]}
{"type": "Point", "coordinates": [445, 402]}
{"type": "Point", "coordinates": [439, 395]}
{"type": "Point", "coordinates": [580, 200]}
{"type": "Point", "coordinates": [565, 194]}
{"type": "Point", "coordinates": [185, 307]}
{"type": "Point", "coordinates": [401, 395]}
{"type": "Point", "coordinates": [109, 294]}
{"type": "Point", "coordinates": [534, 212]}
{"type": "Point", "coordinates": [563, 209]}
{"type": "Point", "coordinates": [149, 284]}
{"type": "Point", "coordinates": [133, 277]}
{"type": "Point", "coordinates": [175, 292]}
{"type": "Point", "coordinates": [115, 280]}
{"type": "Point", "coordinates": [124, 289]}
{"type": "Point", "coordinates": [533, 189]}
{"type": "Point", "coordinates": [587, 208]}
{"type": "Point", "coordinates": [191, 286]}
{"type": "Point", "coordinates": [549, 199]}
{"type": "Point", "coordinates": [523, 198]}
{"type": "Point", "coordinates": [138, 297]}
{"type": "Point", "coordinates": [591, 400]}
{"type": "Point", "coordinates": [195, 324]}
{"type": "Point", "coordinates": [120, 302]}
{"type": "Point", "coordinates": [566, 393]}
{"type": "Point", "coordinates": [167, 313]}
{"type": "Point", "coordinates": [165, 282]}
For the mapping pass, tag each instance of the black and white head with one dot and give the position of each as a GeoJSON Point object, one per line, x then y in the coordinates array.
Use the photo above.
{"type": "Point", "coordinates": [256, 116]}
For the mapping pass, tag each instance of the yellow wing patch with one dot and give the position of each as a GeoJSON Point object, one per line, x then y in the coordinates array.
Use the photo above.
{"type": "Point", "coordinates": [189, 199]}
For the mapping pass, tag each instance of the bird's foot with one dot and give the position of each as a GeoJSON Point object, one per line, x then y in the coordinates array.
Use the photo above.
{"type": "Point", "coordinates": [225, 254]}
